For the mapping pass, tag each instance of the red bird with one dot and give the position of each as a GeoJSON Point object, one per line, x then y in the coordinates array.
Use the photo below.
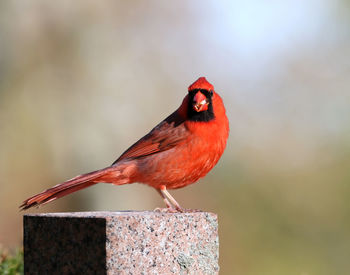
{"type": "Point", "coordinates": [177, 152]}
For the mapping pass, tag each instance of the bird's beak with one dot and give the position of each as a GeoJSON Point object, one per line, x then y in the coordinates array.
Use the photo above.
{"type": "Point", "coordinates": [200, 102]}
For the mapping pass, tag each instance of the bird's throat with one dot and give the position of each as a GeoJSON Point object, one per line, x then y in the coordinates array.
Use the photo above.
{"type": "Point", "coordinates": [207, 114]}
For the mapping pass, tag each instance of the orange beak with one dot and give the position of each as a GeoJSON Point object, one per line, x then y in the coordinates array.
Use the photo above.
{"type": "Point", "coordinates": [200, 102]}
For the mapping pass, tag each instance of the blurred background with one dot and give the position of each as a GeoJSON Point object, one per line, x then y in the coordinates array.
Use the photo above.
{"type": "Point", "coordinates": [81, 81]}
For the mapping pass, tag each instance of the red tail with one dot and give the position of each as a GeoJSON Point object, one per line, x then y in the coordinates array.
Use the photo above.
{"type": "Point", "coordinates": [63, 189]}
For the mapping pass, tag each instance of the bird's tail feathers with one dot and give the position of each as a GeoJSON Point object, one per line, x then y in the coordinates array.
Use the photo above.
{"type": "Point", "coordinates": [65, 188]}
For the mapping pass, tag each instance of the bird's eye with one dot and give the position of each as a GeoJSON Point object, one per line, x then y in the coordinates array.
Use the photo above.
{"type": "Point", "coordinates": [211, 92]}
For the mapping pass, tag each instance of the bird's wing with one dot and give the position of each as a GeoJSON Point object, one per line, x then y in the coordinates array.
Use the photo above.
{"type": "Point", "coordinates": [164, 136]}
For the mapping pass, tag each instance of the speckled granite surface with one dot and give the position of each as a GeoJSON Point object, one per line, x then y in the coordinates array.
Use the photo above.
{"type": "Point", "coordinates": [121, 243]}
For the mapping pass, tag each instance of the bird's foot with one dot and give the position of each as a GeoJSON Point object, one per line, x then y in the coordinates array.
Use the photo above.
{"type": "Point", "coordinates": [191, 210]}
{"type": "Point", "coordinates": [166, 210]}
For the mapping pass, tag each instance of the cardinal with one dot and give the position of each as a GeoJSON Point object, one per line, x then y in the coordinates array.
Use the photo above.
{"type": "Point", "coordinates": [177, 152]}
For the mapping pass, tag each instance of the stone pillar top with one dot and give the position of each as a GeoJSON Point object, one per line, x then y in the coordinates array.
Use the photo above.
{"type": "Point", "coordinates": [123, 242]}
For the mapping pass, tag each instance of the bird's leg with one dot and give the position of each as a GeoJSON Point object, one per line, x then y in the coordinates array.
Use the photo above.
{"type": "Point", "coordinates": [166, 195]}
{"type": "Point", "coordinates": [167, 203]}
{"type": "Point", "coordinates": [170, 208]}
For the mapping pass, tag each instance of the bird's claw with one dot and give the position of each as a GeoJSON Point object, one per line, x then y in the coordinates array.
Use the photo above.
{"type": "Point", "coordinates": [166, 210]}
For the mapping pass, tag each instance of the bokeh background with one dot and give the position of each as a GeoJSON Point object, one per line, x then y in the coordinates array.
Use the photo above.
{"type": "Point", "coordinates": [81, 81]}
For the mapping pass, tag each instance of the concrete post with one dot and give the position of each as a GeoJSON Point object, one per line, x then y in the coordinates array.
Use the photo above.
{"type": "Point", "coordinates": [121, 243]}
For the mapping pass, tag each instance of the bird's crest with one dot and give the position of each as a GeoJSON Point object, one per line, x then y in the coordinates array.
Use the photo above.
{"type": "Point", "coordinates": [201, 83]}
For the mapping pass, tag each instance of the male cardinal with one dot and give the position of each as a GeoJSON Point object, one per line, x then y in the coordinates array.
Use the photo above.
{"type": "Point", "coordinates": [177, 152]}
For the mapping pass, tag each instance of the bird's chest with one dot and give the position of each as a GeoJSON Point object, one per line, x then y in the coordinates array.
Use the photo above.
{"type": "Point", "coordinates": [182, 165]}
{"type": "Point", "coordinates": [186, 162]}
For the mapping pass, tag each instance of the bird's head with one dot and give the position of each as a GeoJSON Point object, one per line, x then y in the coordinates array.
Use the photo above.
{"type": "Point", "coordinates": [200, 106]}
